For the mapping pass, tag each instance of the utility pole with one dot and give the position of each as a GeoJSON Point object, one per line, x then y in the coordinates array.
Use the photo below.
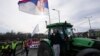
{"type": "Point", "coordinates": [89, 25]}
{"type": "Point", "coordinates": [89, 22]}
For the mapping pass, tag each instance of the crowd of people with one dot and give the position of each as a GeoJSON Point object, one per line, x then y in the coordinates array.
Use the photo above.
{"type": "Point", "coordinates": [9, 49]}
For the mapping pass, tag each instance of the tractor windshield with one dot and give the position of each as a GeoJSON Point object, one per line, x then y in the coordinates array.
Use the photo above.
{"type": "Point", "coordinates": [69, 32]}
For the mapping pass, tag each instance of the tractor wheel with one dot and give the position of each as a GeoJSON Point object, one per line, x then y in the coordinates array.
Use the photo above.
{"type": "Point", "coordinates": [89, 52]}
{"type": "Point", "coordinates": [44, 50]}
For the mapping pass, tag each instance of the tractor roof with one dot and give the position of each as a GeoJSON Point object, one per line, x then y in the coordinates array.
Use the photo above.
{"type": "Point", "coordinates": [59, 25]}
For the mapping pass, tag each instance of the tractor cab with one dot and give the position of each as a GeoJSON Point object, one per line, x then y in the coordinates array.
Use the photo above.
{"type": "Point", "coordinates": [65, 29]}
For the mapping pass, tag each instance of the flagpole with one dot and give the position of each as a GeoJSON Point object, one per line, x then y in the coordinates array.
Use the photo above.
{"type": "Point", "coordinates": [49, 14]}
{"type": "Point", "coordinates": [49, 17]}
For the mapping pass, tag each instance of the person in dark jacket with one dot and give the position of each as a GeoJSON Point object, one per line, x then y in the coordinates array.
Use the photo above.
{"type": "Point", "coordinates": [56, 41]}
{"type": "Point", "coordinates": [26, 47]}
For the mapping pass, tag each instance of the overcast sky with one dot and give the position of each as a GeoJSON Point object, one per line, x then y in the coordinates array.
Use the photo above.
{"type": "Point", "coordinates": [75, 12]}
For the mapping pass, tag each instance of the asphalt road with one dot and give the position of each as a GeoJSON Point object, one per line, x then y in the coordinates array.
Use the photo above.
{"type": "Point", "coordinates": [32, 52]}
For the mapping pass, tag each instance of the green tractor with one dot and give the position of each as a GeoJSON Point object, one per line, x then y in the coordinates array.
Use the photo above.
{"type": "Point", "coordinates": [72, 46]}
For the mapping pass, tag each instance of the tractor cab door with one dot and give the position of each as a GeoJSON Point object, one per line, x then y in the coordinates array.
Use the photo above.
{"type": "Point", "coordinates": [59, 30]}
{"type": "Point", "coordinates": [54, 31]}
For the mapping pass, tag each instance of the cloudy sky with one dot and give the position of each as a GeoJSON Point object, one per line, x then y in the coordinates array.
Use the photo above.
{"type": "Point", "coordinates": [76, 12]}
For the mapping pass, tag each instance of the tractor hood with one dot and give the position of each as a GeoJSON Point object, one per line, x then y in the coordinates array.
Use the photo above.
{"type": "Point", "coordinates": [85, 42]}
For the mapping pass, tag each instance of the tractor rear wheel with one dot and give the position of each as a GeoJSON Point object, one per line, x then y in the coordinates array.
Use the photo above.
{"type": "Point", "coordinates": [89, 52]}
{"type": "Point", "coordinates": [44, 49]}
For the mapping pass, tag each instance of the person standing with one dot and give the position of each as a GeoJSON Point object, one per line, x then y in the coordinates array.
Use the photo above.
{"type": "Point", "coordinates": [5, 49]}
{"type": "Point", "coordinates": [56, 40]}
{"type": "Point", "coordinates": [26, 47]}
{"type": "Point", "coordinates": [13, 48]}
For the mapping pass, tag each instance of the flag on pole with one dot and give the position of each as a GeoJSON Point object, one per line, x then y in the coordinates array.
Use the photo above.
{"type": "Point", "coordinates": [36, 30]}
{"type": "Point", "coordinates": [34, 6]}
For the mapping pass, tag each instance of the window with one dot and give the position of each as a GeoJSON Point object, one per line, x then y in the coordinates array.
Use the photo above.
{"type": "Point", "coordinates": [69, 31]}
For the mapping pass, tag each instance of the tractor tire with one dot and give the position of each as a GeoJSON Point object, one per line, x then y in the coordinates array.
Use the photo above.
{"type": "Point", "coordinates": [89, 52]}
{"type": "Point", "coordinates": [44, 49]}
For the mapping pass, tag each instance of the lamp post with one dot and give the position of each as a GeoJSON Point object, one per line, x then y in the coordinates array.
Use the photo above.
{"type": "Point", "coordinates": [58, 13]}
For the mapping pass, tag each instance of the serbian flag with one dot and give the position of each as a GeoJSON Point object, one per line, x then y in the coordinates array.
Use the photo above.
{"type": "Point", "coordinates": [34, 6]}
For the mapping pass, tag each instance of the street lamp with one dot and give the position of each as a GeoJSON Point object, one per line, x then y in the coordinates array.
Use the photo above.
{"type": "Point", "coordinates": [58, 13]}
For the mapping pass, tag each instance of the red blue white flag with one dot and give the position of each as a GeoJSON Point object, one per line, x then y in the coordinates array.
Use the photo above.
{"type": "Point", "coordinates": [33, 6]}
